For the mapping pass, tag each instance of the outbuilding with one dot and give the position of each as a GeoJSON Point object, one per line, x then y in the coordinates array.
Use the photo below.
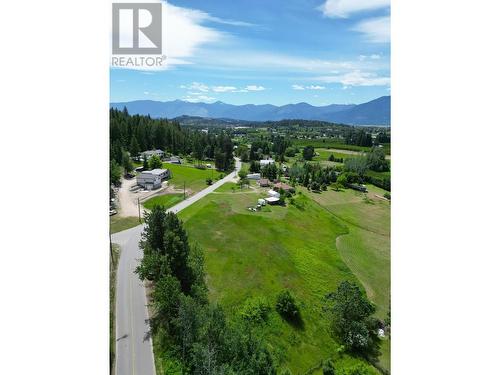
{"type": "Point", "coordinates": [263, 182]}
{"type": "Point", "coordinates": [272, 200]}
{"type": "Point", "coordinates": [273, 194]}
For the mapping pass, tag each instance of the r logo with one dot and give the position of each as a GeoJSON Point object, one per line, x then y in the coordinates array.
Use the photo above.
{"type": "Point", "coordinates": [137, 29]}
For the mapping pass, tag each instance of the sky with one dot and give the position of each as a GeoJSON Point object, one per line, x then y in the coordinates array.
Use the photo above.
{"type": "Point", "coordinates": [267, 52]}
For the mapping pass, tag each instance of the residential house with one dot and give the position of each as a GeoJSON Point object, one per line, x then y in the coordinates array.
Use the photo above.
{"type": "Point", "coordinates": [149, 153]}
{"type": "Point", "coordinates": [266, 162]}
{"type": "Point", "coordinates": [281, 185]}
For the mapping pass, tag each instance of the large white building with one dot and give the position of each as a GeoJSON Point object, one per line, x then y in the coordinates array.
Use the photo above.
{"type": "Point", "coordinates": [266, 162]}
{"type": "Point", "coordinates": [152, 179]}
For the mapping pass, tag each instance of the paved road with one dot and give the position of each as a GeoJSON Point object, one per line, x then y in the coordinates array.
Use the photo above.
{"type": "Point", "coordinates": [134, 354]}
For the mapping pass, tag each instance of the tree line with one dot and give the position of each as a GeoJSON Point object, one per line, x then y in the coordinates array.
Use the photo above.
{"type": "Point", "coordinates": [191, 332]}
{"type": "Point", "coordinates": [132, 135]}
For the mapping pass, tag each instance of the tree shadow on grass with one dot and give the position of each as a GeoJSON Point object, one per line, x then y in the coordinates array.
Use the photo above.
{"type": "Point", "coordinates": [295, 321]}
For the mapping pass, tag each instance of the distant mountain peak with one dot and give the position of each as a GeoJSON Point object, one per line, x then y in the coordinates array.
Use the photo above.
{"type": "Point", "coordinates": [374, 112]}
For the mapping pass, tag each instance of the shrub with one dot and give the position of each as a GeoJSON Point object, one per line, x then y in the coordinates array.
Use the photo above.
{"type": "Point", "coordinates": [209, 181]}
{"type": "Point", "coordinates": [255, 310]}
{"type": "Point", "coordinates": [387, 196]}
{"type": "Point", "coordinates": [286, 305]}
{"type": "Point", "coordinates": [328, 368]}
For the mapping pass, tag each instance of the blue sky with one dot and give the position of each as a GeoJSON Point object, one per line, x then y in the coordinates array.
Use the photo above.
{"type": "Point", "coordinates": [267, 51]}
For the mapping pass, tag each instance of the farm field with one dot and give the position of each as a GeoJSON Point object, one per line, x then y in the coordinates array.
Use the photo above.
{"type": "Point", "coordinates": [166, 200]}
{"type": "Point", "coordinates": [257, 254]}
{"type": "Point", "coordinates": [366, 248]}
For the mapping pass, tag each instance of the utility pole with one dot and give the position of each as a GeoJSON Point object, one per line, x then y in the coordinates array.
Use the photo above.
{"type": "Point", "coordinates": [111, 251]}
{"type": "Point", "coordinates": [139, 208]}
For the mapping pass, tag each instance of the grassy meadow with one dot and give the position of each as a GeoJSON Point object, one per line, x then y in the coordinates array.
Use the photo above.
{"type": "Point", "coordinates": [167, 200]}
{"type": "Point", "coordinates": [194, 178]}
{"type": "Point", "coordinates": [257, 254]}
{"type": "Point", "coordinates": [366, 246]}
{"type": "Point", "coordinates": [118, 223]}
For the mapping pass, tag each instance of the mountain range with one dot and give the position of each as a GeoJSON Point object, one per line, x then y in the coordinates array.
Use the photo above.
{"type": "Point", "coordinates": [375, 112]}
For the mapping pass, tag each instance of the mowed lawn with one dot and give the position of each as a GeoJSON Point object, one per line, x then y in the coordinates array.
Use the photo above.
{"type": "Point", "coordinates": [194, 178]}
{"type": "Point", "coordinates": [118, 223]}
{"type": "Point", "coordinates": [167, 200]}
{"type": "Point", "coordinates": [366, 248]}
{"type": "Point", "coordinates": [251, 254]}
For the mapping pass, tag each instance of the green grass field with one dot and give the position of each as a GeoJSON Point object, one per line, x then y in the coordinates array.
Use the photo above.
{"type": "Point", "coordinates": [366, 247]}
{"type": "Point", "coordinates": [250, 254]}
{"type": "Point", "coordinates": [167, 200]}
{"type": "Point", "coordinates": [118, 223]}
{"type": "Point", "coordinates": [325, 153]}
{"type": "Point", "coordinates": [194, 178]}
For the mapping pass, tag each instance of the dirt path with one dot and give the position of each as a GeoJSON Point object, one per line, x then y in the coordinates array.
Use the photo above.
{"type": "Point", "coordinates": [127, 200]}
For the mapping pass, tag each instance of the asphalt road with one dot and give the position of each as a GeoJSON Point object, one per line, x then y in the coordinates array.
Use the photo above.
{"type": "Point", "coordinates": [134, 349]}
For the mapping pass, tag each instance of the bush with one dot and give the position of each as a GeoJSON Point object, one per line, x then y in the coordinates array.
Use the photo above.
{"type": "Point", "coordinates": [209, 181]}
{"type": "Point", "coordinates": [328, 368]}
{"type": "Point", "coordinates": [387, 196]}
{"type": "Point", "coordinates": [255, 310]}
{"type": "Point", "coordinates": [286, 305]}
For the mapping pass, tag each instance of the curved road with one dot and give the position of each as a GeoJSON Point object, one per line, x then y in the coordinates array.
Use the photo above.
{"type": "Point", "coordinates": [134, 349]}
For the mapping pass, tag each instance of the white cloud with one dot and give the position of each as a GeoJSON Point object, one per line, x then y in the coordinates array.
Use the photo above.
{"type": "Point", "coordinates": [310, 87]}
{"type": "Point", "coordinates": [356, 78]}
{"type": "Point", "coordinates": [315, 87]}
{"type": "Point", "coordinates": [374, 56]}
{"type": "Point", "coordinates": [375, 30]}
{"type": "Point", "coordinates": [196, 97]}
{"type": "Point", "coordinates": [345, 8]}
{"type": "Point", "coordinates": [196, 86]}
{"type": "Point", "coordinates": [224, 88]}
{"type": "Point", "coordinates": [255, 88]}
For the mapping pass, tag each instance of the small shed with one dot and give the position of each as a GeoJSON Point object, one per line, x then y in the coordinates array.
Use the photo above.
{"type": "Point", "coordinates": [175, 160]}
{"type": "Point", "coordinates": [282, 185]}
{"type": "Point", "coordinates": [263, 182]}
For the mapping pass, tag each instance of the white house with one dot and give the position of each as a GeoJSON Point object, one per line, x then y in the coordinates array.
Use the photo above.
{"type": "Point", "coordinates": [149, 153]}
{"type": "Point", "coordinates": [253, 176]}
{"type": "Point", "coordinates": [152, 179]}
{"type": "Point", "coordinates": [266, 162]}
